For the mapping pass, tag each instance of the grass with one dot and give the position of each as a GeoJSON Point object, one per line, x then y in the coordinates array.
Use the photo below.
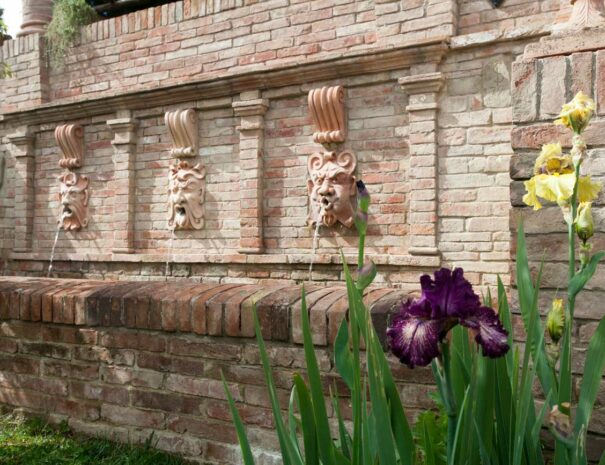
{"type": "Point", "coordinates": [33, 442]}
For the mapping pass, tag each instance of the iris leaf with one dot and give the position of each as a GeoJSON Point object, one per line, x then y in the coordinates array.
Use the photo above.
{"type": "Point", "coordinates": [581, 279]}
{"type": "Point", "coordinates": [239, 427]}
{"type": "Point", "coordinates": [593, 372]}
{"type": "Point", "coordinates": [324, 437]}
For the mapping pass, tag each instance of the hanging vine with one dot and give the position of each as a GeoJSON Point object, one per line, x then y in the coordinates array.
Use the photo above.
{"type": "Point", "coordinates": [64, 29]}
{"type": "Point", "coordinates": [5, 69]}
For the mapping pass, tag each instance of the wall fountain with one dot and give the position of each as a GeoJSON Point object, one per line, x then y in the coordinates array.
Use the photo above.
{"type": "Point", "coordinates": [331, 185]}
{"type": "Point", "coordinates": [186, 181]}
{"type": "Point", "coordinates": [74, 193]}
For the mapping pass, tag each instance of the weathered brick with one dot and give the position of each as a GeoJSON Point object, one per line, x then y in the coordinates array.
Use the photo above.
{"type": "Point", "coordinates": [131, 416]}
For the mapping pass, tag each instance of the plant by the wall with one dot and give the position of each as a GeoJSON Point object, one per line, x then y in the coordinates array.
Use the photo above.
{"type": "Point", "coordinates": [5, 69]}
{"type": "Point", "coordinates": [64, 29]}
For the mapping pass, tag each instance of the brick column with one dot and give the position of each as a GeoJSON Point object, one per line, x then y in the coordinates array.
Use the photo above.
{"type": "Point", "coordinates": [423, 91]}
{"type": "Point", "coordinates": [251, 108]}
{"type": "Point", "coordinates": [23, 141]}
{"type": "Point", "coordinates": [124, 144]}
{"type": "Point", "coordinates": [36, 16]}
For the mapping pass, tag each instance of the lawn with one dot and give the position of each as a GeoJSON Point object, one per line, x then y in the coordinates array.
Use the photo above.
{"type": "Point", "coordinates": [33, 442]}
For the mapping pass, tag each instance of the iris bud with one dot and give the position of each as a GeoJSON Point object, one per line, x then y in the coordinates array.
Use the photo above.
{"type": "Point", "coordinates": [576, 114]}
{"type": "Point", "coordinates": [560, 421]}
{"type": "Point", "coordinates": [366, 275]}
{"type": "Point", "coordinates": [363, 197]}
{"type": "Point", "coordinates": [584, 222]}
{"type": "Point", "coordinates": [555, 321]}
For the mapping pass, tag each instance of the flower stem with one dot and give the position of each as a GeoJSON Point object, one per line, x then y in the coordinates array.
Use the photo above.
{"type": "Point", "coordinates": [449, 401]}
{"type": "Point", "coordinates": [360, 250]}
{"type": "Point", "coordinates": [562, 452]}
{"type": "Point", "coordinates": [565, 380]}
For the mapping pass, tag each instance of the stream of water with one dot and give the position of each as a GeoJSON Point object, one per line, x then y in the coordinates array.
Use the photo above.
{"type": "Point", "coordinates": [169, 254]}
{"type": "Point", "coordinates": [314, 250]}
{"type": "Point", "coordinates": [52, 253]}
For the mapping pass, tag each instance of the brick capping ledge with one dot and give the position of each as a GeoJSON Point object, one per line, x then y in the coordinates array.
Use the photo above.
{"type": "Point", "coordinates": [233, 258]}
{"type": "Point", "coordinates": [203, 309]}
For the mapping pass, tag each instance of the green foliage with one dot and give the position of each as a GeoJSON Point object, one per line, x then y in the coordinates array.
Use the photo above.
{"type": "Point", "coordinates": [34, 442]}
{"type": "Point", "coordinates": [591, 381]}
{"type": "Point", "coordinates": [430, 433]}
{"type": "Point", "coordinates": [380, 433]}
{"type": "Point", "coordinates": [488, 404]}
{"type": "Point", "coordinates": [5, 69]}
{"type": "Point", "coordinates": [64, 29]}
{"type": "Point", "coordinates": [487, 411]}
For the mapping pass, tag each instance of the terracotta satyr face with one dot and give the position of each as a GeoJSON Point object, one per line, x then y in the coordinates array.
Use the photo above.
{"type": "Point", "coordinates": [186, 196]}
{"type": "Point", "coordinates": [332, 188]}
{"type": "Point", "coordinates": [74, 201]}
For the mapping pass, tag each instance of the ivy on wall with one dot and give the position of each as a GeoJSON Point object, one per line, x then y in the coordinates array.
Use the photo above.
{"type": "Point", "coordinates": [5, 70]}
{"type": "Point", "coordinates": [64, 29]}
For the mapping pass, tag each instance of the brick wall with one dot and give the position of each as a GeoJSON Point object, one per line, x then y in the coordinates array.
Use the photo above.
{"type": "Point", "coordinates": [546, 76]}
{"type": "Point", "coordinates": [29, 84]}
{"type": "Point", "coordinates": [479, 16]}
{"type": "Point", "coordinates": [122, 361]}
{"type": "Point", "coordinates": [203, 55]}
{"type": "Point", "coordinates": [429, 110]}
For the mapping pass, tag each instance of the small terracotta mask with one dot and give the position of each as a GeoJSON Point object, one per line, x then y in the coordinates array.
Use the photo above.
{"type": "Point", "coordinates": [74, 201]}
{"type": "Point", "coordinates": [332, 188]}
{"type": "Point", "coordinates": [186, 196]}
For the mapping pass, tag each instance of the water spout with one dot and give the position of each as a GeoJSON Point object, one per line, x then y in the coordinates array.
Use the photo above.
{"type": "Point", "coordinates": [52, 253]}
{"type": "Point", "coordinates": [315, 245]}
{"type": "Point", "coordinates": [169, 253]}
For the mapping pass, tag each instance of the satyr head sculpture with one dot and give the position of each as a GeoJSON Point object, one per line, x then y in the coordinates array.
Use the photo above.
{"type": "Point", "coordinates": [332, 188]}
{"type": "Point", "coordinates": [186, 196]}
{"type": "Point", "coordinates": [74, 201]}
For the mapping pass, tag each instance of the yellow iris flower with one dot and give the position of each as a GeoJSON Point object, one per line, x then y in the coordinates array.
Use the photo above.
{"type": "Point", "coordinates": [576, 114]}
{"type": "Point", "coordinates": [554, 180]}
{"type": "Point", "coordinates": [551, 160]}
{"type": "Point", "coordinates": [559, 188]}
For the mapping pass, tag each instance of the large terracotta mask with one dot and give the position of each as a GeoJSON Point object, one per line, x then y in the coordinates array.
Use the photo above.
{"type": "Point", "coordinates": [332, 188]}
{"type": "Point", "coordinates": [74, 201]}
{"type": "Point", "coordinates": [186, 196]}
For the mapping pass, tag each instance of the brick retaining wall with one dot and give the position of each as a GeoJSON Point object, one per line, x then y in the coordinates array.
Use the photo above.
{"type": "Point", "coordinates": [126, 359]}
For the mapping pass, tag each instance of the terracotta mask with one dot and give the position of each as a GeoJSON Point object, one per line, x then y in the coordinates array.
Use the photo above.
{"type": "Point", "coordinates": [186, 196]}
{"type": "Point", "coordinates": [332, 188]}
{"type": "Point", "coordinates": [74, 201]}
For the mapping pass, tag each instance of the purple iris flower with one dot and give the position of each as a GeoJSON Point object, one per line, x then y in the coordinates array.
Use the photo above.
{"type": "Point", "coordinates": [446, 301]}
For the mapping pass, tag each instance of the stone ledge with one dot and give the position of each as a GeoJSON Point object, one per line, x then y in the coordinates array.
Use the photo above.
{"type": "Point", "coordinates": [204, 309]}
{"type": "Point", "coordinates": [560, 44]}
{"type": "Point", "coordinates": [427, 261]}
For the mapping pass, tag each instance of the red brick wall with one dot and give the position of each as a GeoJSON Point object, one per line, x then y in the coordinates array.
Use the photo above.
{"type": "Point", "coordinates": [209, 45]}
{"type": "Point", "coordinates": [85, 354]}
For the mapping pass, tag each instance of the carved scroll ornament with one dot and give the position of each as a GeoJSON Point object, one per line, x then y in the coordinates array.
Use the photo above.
{"type": "Point", "coordinates": [70, 138]}
{"type": "Point", "coordinates": [586, 13]}
{"type": "Point", "coordinates": [74, 201]}
{"type": "Point", "coordinates": [327, 107]}
{"type": "Point", "coordinates": [332, 188]}
{"type": "Point", "coordinates": [182, 125]}
{"type": "Point", "coordinates": [186, 196]}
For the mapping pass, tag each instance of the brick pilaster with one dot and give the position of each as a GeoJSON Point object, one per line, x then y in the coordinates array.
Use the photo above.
{"type": "Point", "coordinates": [23, 141]}
{"type": "Point", "coordinates": [251, 109]}
{"type": "Point", "coordinates": [423, 91]}
{"type": "Point", "coordinates": [124, 144]}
